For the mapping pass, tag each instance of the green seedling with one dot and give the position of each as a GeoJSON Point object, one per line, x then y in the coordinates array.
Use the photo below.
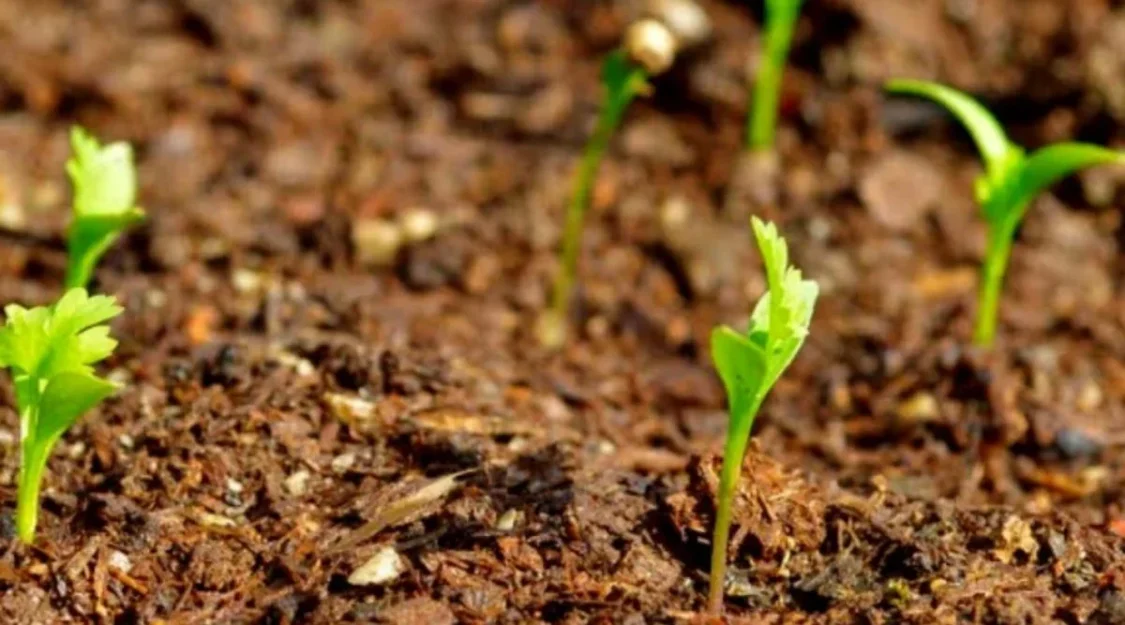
{"type": "Point", "coordinates": [623, 80]}
{"type": "Point", "coordinates": [761, 125]}
{"type": "Point", "coordinates": [1011, 180]}
{"type": "Point", "coordinates": [105, 190]}
{"type": "Point", "coordinates": [749, 364]}
{"type": "Point", "coordinates": [49, 352]}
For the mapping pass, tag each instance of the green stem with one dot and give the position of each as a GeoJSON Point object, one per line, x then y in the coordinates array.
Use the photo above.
{"type": "Point", "coordinates": [992, 279]}
{"type": "Point", "coordinates": [27, 503]}
{"type": "Point", "coordinates": [30, 479]}
{"type": "Point", "coordinates": [608, 120]}
{"type": "Point", "coordinates": [766, 98]}
{"type": "Point", "coordinates": [737, 440]}
{"type": "Point", "coordinates": [79, 268]}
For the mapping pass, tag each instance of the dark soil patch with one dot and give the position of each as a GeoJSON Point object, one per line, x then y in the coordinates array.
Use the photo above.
{"type": "Point", "coordinates": [289, 414]}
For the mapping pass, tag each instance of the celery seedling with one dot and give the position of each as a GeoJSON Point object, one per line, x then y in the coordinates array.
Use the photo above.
{"type": "Point", "coordinates": [623, 80]}
{"type": "Point", "coordinates": [49, 351]}
{"type": "Point", "coordinates": [105, 189]}
{"type": "Point", "coordinates": [1011, 180]}
{"type": "Point", "coordinates": [761, 126]}
{"type": "Point", "coordinates": [749, 365]}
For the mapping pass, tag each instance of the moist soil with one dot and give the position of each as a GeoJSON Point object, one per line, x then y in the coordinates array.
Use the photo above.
{"type": "Point", "coordinates": [315, 431]}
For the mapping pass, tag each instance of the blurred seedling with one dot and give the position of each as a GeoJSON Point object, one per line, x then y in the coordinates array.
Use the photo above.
{"type": "Point", "coordinates": [649, 49]}
{"type": "Point", "coordinates": [761, 124]}
{"type": "Point", "coordinates": [49, 352]}
{"type": "Point", "coordinates": [749, 364]}
{"type": "Point", "coordinates": [1010, 181]}
{"type": "Point", "coordinates": [105, 192]}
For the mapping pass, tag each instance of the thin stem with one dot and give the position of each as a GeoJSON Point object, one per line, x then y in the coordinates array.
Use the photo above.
{"type": "Point", "coordinates": [766, 97]}
{"type": "Point", "coordinates": [27, 502]}
{"type": "Point", "coordinates": [992, 280]}
{"type": "Point", "coordinates": [608, 120]}
{"type": "Point", "coordinates": [79, 268]}
{"type": "Point", "coordinates": [30, 478]}
{"type": "Point", "coordinates": [737, 440]}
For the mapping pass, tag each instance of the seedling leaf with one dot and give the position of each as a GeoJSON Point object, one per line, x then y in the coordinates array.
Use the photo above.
{"type": "Point", "coordinates": [50, 352]}
{"type": "Point", "coordinates": [750, 364]}
{"type": "Point", "coordinates": [105, 188]}
{"type": "Point", "coordinates": [1010, 183]}
{"type": "Point", "coordinates": [987, 133]}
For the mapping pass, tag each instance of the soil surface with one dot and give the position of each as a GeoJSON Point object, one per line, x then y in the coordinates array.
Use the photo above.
{"type": "Point", "coordinates": [334, 408]}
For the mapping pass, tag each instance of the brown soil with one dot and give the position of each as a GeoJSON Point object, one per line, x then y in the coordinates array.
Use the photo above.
{"type": "Point", "coordinates": [291, 416]}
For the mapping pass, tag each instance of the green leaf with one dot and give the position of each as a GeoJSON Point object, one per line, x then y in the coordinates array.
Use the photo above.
{"type": "Point", "coordinates": [998, 152]}
{"type": "Point", "coordinates": [42, 342]}
{"type": "Point", "coordinates": [741, 365]}
{"type": "Point", "coordinates": [1051, 164]}
{"type": "Point", "coordinates": [104, 178]}
{"type": "Point", "coordinates": [67, 397]}
{"type": "Point", "coordinates": [50, 351]}
{"type": "Point", "coordinates": [105, 193]}
{"type": "Point", "coordinates": [623, 80]}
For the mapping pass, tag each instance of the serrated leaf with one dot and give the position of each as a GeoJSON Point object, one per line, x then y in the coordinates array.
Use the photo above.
{"type": "Point", "coordinates": [42, 342]}
{"type": "Point", "coordinates": [751, 363]}
{"type": "Point", "coordinates": [50, 351]}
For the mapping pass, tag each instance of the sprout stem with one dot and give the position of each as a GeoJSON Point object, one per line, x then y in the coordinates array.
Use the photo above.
{"type": "Point", "coordinates": [737, 440]}
{"type": "Point", "coordinates": [766, 98]}
{"type": "Point", "coordinates": [552, 328]}
{"type": "Point", "coordinates": [992, 279]}
{"type": "Point", "coordinates": [30, 479]}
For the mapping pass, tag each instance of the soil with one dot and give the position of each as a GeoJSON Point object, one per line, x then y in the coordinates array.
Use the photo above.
{"type": "Point", "coordinates": [306, 438]}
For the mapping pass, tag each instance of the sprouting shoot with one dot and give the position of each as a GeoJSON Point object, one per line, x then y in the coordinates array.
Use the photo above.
{"type": "Point", "coordinates": [49, 352]}
{"type": "Point", "coordinates": [105, 192]}
{"type": "Point", "coordinates": [749, 364]}
{"type": "Point", "coordinates": [623, 80]}
{"type": "Point", "coordinates": [761, 124]}
{"type": "Point", "coordinates": [1011, 180]}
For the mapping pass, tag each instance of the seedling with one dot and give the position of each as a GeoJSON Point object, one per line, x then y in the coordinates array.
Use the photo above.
{"type": "Point", "coordinates": [623, 80]}
{"type": "Point", "coordinates": [1011, 180]}
{"type": "Point", "coordinates": [49, 351]}
{"type": "Point", "coordinates": [105, 189]}
{"type": "Point", "coordinates": [749, 365]}
{"type": "Point", "coordinates": [761, 126]}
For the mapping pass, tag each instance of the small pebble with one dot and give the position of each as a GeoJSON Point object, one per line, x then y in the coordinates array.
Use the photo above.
{"type": "Point", "coordinates": [343, 462]}
{"type": "Point", "coordinates": [297, 483]}
{"type": "Point", "coordinates": [1074, 443]}
{"type": "Point", "coordinates": [385, 566]}
{"type": "Point", "coordinates": [418, 225]}
{"type": "Point", "coordinates": [377, 242]}
{"type": "Point", "coordinates": [120, 561]}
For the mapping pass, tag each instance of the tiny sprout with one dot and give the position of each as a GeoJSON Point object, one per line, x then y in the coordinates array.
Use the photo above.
{"type": "Point", "coordinates": [623, 80]}
{"type": "Point", "coordinates": [1011, 180]}
{"type": "Point", "coordinates": [761, 127]}
{"type": "Point", "coordinates": [105, 189]}
{"type": "Point", "coordinates": [749, 364]}
{"type": "Point", "coordinates": [50, 352]}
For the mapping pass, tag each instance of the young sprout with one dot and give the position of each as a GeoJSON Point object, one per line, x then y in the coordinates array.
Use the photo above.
{"type": "Point", "coordinates": [49, 351]}
{"type": "Point", "coordinates": [781, 17]}
{"type": "Point", "coordinates": [653, 47]}
{"type": "Point", "coordinates": [749, 364]}
{"type": "Point", "coordinates": [1011, 180]}
{"type": "Point", "coordinates": [105, 189]}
